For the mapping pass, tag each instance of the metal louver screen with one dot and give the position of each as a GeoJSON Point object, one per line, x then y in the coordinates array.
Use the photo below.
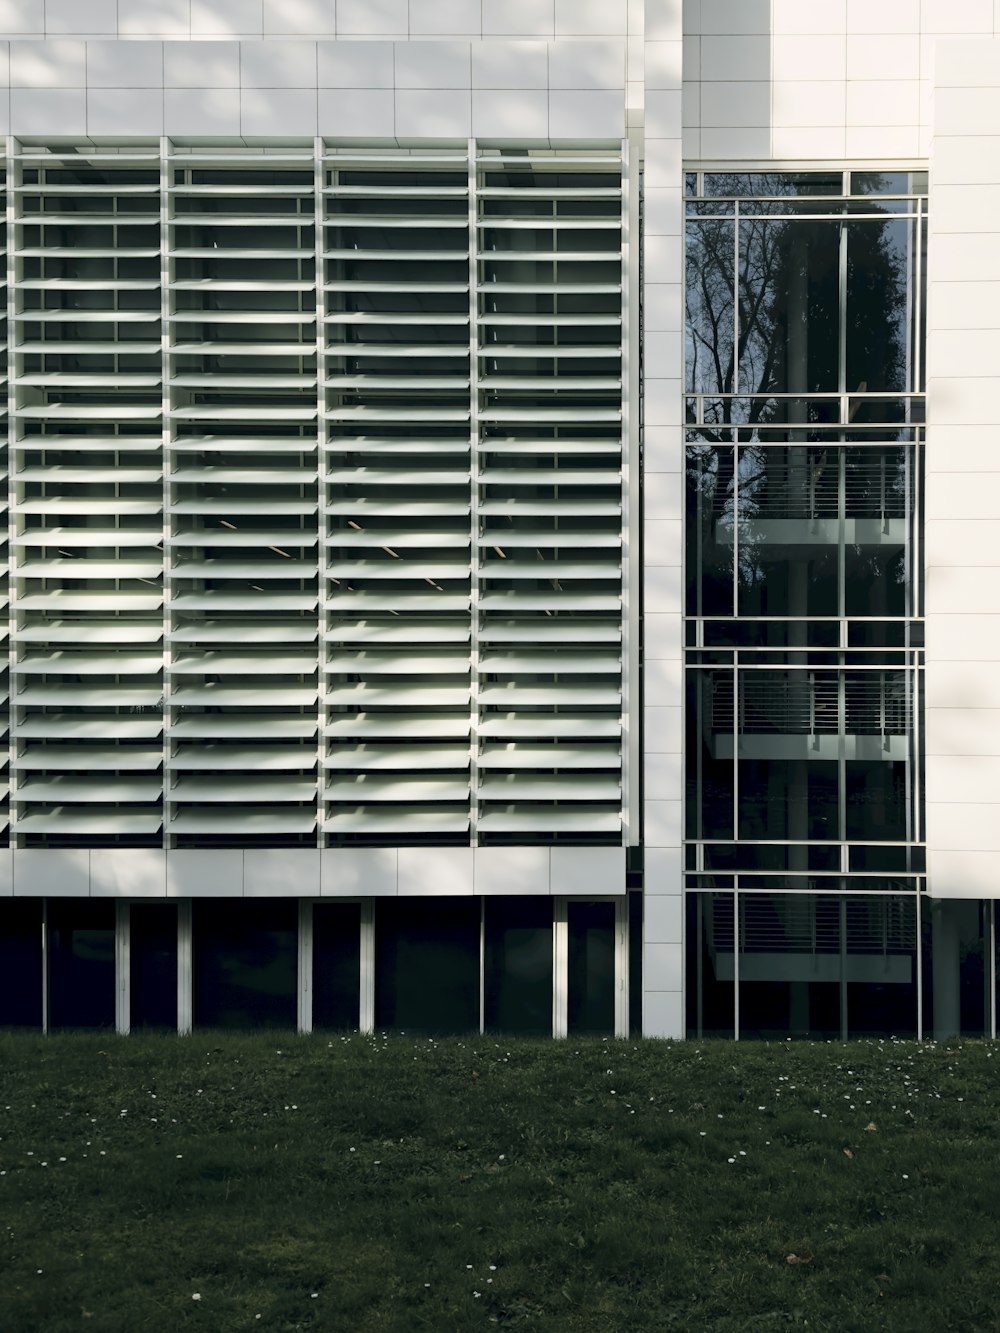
{"type": "Point", "coordinates": [316, 496]}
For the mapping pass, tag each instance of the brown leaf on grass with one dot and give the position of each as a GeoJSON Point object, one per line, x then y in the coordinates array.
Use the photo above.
{"type": "Point", "coordinates": [475, 1073]}
{"type": "Point", "coordinates": [798, 1258]}
{"type": "Point", "coordinates": [871, 1127]}
{"type": "Point", "coordinates": [848, 1153]}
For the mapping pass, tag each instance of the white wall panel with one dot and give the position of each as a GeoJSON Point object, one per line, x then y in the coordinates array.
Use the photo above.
{"type": "Point", "coordinates": [511, 870]}
{"type": "Point", "coordinates": [500, 64]}
{"type": "Point", "coordinates": [312, 18]}
{"type": "Point", "coordinates": [201, 64]}
{"type": "Point", "coordinates": [124, 64]}
{"type": "Point", "coordinates": [382, 18]}
{"type": "Point", "coordinates": [281, 872]}
{"type": "Point", "coordinates": [963, 506]}
{"type": "Point", "coordinates": [449, 869]}
{"type": "Point", "coordinates": [109, 109]}
{"type": "Point", "coordinates": [353, 872]}
{"type": "Point", "coordinates": [52, 873]}
{"type": "Point", "coordinates": [575, 871]}
{"type": "Point", "coordinates": [205, 873]}
{"type": "Point", "coordinates": [128, 872]}
{"type": "Point", "coordinates": [445, 18]}
{"type": "Point", "coordinates": [285, 64]}
{"type": "Point", "coordinates": [227, 18]}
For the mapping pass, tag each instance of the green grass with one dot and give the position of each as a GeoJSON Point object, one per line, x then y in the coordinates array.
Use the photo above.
{"type": "Point", "coordinates": [367, 1183]}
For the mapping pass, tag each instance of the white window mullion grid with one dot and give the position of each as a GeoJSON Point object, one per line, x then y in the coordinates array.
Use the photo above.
{"type": "Point", "coordinates": [474, 498]}
{"type": "Point", "coordinates": [631, 517]}
{"type": "Point", "coordinates": [12, 520]}
{"type": "Point", "coordinates": [167, 458]}
{"type": "Point", "coordinates": [322, 519]}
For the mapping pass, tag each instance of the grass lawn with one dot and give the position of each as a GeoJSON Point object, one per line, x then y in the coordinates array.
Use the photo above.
{"type": "Point", "coordinates": [356, 1183]}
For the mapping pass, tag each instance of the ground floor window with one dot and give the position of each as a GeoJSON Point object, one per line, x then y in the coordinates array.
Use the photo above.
{"type": "Point", "coordinates": [545, 966]}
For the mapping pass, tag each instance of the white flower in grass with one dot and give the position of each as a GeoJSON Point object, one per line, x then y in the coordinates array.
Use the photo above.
{"type": "Point", "coordinates": [196, 1295]}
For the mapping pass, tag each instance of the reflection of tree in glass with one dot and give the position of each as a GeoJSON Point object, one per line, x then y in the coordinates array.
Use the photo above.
{"type": "Point", "coordinates": [787, 278]}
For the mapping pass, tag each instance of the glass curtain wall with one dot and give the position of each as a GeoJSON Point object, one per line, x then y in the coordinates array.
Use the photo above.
{"type": "Point", "coordinates": [805, 299]}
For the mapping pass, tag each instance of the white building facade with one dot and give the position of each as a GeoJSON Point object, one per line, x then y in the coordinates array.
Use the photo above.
{"type": "Point", "coordinates": [487, 540]}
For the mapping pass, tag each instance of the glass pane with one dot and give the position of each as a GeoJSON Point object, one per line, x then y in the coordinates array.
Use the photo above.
{"type": "Point", "coordinates": [709, 561]}
{"type": "Point", "coordinates": [709, 760]}
{"type": "Point", "coordinates": [772, 183]}
{"type": "Point", "coordinates": [790, 966]}
{"type": "Point", "coordinates": [789, 306]}
{"type": "Point", "coordinates": [21, 963]}
{"type": "Point", "coordinates": [427, 965]}
{"type": "Point", "coordinates": [788, 531]}
{"type": "Point", "coordinates": [881, 966]}
{"type": "Point", "coordinates": [709, 345]}
{"type": "Point", "coordinates": [81, 963]}
{"type": "Point", "coordinates": [245, 963]}
{"type": "Point", "coordinates": [153, 965]}
{"type": "Point", "coordinates": [794, 799]}
{"type": "Point", "coordinates": [709, 971]}
{"type": "Point", "coordinates": [591, 981]}
{"type": "Point", "coordinates": [877, 806]}
{"type": "Point", "coordinates": [880, 349]}
{"type": "Point", "coordinates": [336, 965]}
{"type": "Point", "coordinates": [518, 970]}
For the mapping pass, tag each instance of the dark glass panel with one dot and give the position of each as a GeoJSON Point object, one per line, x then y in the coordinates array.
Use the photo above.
{"type": "Point", "coordinates": [709, 529]}
{"type": "Point", "coordinates": [747, 184]}
{"type": "Point", "coordinates": [794, 799]}
{"type": "Point", "coordinates": [889, 182]}
{"type": "Point", "coordinates": [787, 532]}
{"type": "Point", "coordinates": [21, 962]}
{"type": "Point", "coordinates": [709, 756]}
{"type": "Point", "coordinates": [245, 963]}
{"type": "Point", "coordinates": [789, 320]}
{"type": "Point", "coordinates": [789, 966]}
{"type": "Point", "coordinates": [709, 965]}
{"type": "Point", "coordinates": [518, 965]}
{"type": "Point", "coordinates": [879, 339]}
{"type": "Point", "coordinates": [880, 950]}
{"type": "Point", "coordinates": [336, 964]}
{"type": "Point", "coordinates": [81, 963]}
{"type": "Point", "coordinates": [876, 579]}
{"type": "Point", "coordinates": [876, 801]}
{"type": "Point", "coordinates": [591, 968]}
{"type": "Point", "coordinates": [153, 965]}
{"type": "Point", "coordinates": [709, 342]}
{"type": "Point", "coordinates": [427, 964]}
{"type": "Point", "coordinates": [969, 922]}
{"type": "Point", "coordinates": [776, 633]}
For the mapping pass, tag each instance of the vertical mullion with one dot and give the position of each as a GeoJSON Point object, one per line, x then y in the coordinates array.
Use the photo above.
{"type": "Point", "coordinates": [366, 946]}
{"type": "Point", "coordinates": [45, 966]}
{"type": "Point", "coordinates": [123, 958]}
{"type": "Point", "coordinates": [185, 968]}
{"type": "Point", "coordinates": [621, 966]}
{"type": "Point", "coordinates": [560, 968]}
{"type": "Point", "coordinates": [736, 958]}
{"type": "Point", "coordinates": [304, 1004]}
